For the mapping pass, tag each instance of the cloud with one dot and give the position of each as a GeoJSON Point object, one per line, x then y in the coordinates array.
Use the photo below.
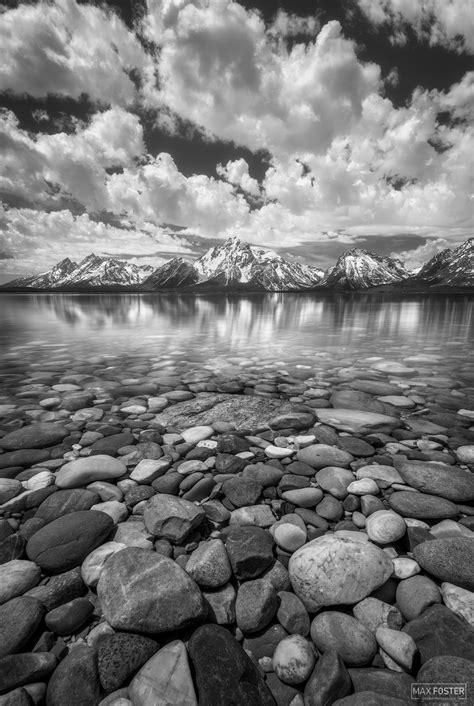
{"type": "Point", "coordinates": [446, 22]}
{"type": "Point", "coordinates": [157, 191]}
{"type": "Point", "coordinates": [66, 48]}
{"type": "Point", "coordinates": [44, 167]}
{"type": "Point", "coordinates": [237, 173]}
{"type": "Point", "coordinates": [221, 68]}
{"type": "Point", "coordinates": [34, 240]}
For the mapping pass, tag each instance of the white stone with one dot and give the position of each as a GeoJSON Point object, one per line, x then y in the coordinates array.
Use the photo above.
{"type": "Point", "coordinates": [459, 600]}
{"type": "Point", "coordinates": [43, 479]}
{"type": "Point", "coordinates": [195, 434]}
{"type": "Point", "coordinates": [148, 469]}
{"type": "Point", "coordinates": [165, 680]}
{"type": "Point", "coordinates": [404, 567]}
{"type": "Point", "coordinates": [364, 486]}
{"type": "Point", "coordinates": [385, 526]}
{"type": "Point", "coordinates": [114, 509]}
{"type": "Point", "coordinates": [278, 452]}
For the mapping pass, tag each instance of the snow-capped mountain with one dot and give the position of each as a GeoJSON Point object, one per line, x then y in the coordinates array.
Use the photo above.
{"type": "Point", "coordinates": [173, 274]}
{"type": "Point", "coordinates": [238, 264]}
{"type": "Point", "coordinates": [360, 269]}
{"type": "Point", "coordinates": [92, 271]}
{"type": "Point", "coordinates": [454, 268]}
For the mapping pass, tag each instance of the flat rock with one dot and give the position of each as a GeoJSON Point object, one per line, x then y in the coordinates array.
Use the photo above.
{"type": "Point", "coordinates": [322, 455]}
{"type": "Point", "coordinates": [148, 592]}
{"type": "Point", "coordinates": [75, 681]}
{"type": "Point", "coordinates": [34, 436]}
{"type": "Point", "coordinates": [448, 559]}
{"type": "Point", "coordinates": [333, 570]}
{"type": "Point", "coordinates": [233, 672]}
{"type": "Point", "coordinates": [357, 421]}
{"type": "Point", "coordinates": [83, 471]}
{"type": "Point", "coordinates": [421, 505]}
{"type": "Point", "coordinates": [448, 482]}
{"type": "Point", "coordinates": [165, 680]}
{"type": "Point", "coordinates": [169, 517]}
{"type": "Point", "coordinates": [64, 543]}
{"type": "Point", "coordinates": [120, 656]}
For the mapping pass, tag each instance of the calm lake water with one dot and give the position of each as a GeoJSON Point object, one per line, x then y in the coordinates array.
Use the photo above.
{"type": "Point", "coordinates": [223, 330]}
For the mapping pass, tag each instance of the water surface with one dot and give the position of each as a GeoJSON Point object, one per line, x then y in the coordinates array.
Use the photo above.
{"type": "Point", "coordinates": [223, 330]}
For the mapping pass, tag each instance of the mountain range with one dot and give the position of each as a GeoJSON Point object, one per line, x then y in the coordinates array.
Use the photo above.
{"type": "Point", "coordinates": [237, 266]}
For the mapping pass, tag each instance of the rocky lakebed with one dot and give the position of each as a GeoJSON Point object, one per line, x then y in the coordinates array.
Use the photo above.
{"type": "Point", "coordinates": [269, 533]}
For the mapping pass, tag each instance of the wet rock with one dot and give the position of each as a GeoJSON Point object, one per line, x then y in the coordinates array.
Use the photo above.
{"type": "Point", "coordinates": [148, 592]}
{"type": "Point", "coordinates": [357, 421]}
{"type": "Point", "coordinates": [233, 671]}
{"type": "Point", "coordinates": [19, 618]}
{"type": "Point", "coordinates": [255, 606]}
{"type": "Point", "coordinates": [64, 502]}
{"type": "Point", "coordinates": [24, 668]}
{"type": "Point", "coordinates": [120, 656]}
{"type": "Point", "coordinates": [76, 680]}
{"type": "Point", "coordinates": [329, 681]}
{"type": "Point", "coordinates": [421, 505]}
{"type": "Point", "coordinates": [449, 559]}
{"type": "Point", "coordinates": [64, 543]}
{"type": "Point", "coordinates": [172, 518]}
{"type": "Point", "coordinates": [69, 617]}
{"type": "Point", "coordinates": [293, 659]}
{"type": "Point", "coordinates": [438, 631]}
{"type": "Point", "coordinates": [165, 679]}
{"type": "Point", "coordinates": [16, 577]}
{"type": "Point", "coordinates": [209, 564]}
{"type": "Point", "coordinates": [448, 482]}
{"type": "Point", "coordinates": [321, 455]}
{"type": "Point", "coordinates": [35, 436]}
{"type": "Point", "coordinates": [250, 551]}
{"type": "Point", "coordinates": [333, 570]}
{"type": "Point", "coordinates": [337, 631]}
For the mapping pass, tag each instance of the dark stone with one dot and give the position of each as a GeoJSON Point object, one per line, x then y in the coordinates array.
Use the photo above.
{"type": "Point", "coordinates": [19, 618]}
{"type": "Point", "coordinates": [369, 698]}
{"type": "Point", "coordinates": [59, 589]}
{"type": "Point", "coordinates": [6, 530]}
{"type": "Point", "coordinates": [242, 492]}
{"type": "Point", "coordinates": [17, 697]}
{"type": "Point", "coordinates": [109, 445]}
{"type": "Point", "coordinates": [233, 675]}
{"type": "Point", "coordinates": [23, 457]}
{"type": "Point", "coordinates": [13, 547]}
{"type": "Point", "coordinates": [228, 463]}
{"type": "Point", "coordinates": [75, 681]}
{"type": "Point", "coordinates": [439, 631]}
{"type": "Point", "coordinates": [63, 502]}
{"type": "Point", "coordinates": [356, 447]}
{"type": "Point", "coordinates": [30, 526]}
{"type": "Point", "coordinates": [447, 670]}
{"type": "Point", "coordinates": [120, 656]}
{"type": "Point", "coordinates": [264, 643]}
{"type": "Point", "coordinates": [69, 617]}
{"type": "Point", "coordinates": [168, 484]}
{"type": "Point", "coordinates": [202, 489]}
{"type": "Point", "coordinates": [417, 535]}
{"type": "Point", "coordinates": [34, 436]}
{"type": "Point", "coordinates": [329, 681]}
{"type": "Point", "coordinates": [448, 482]}
{"type": "Point", "coordinates": [422, 506]}
{"type": "Point", "coordinates": [231, 444]}
{"type": "Point", "coordinates": [65, 542]}
{"type": "Point", "coordinates": [138, 494]}
{"type": "Point", "coordinates": [281, 692]}
{"type": "Point", "coordinates": [25, 668]}
{"type": "Point", "coordinates": [250, 551]}
{"type": "Point", "coordinates": [382, 681]}
{"type": "Point", "coordinates": [448, 559]}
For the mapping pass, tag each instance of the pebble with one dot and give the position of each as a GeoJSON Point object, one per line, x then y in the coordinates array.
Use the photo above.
{"type": "Point", "coordinates": [385, 527]}
{"type": "Point", "coordinates": [87, 470]}
{"type": "Point", "coordinates": [294, 659]}
{"type": "Point", "coordinates": [346, 635]}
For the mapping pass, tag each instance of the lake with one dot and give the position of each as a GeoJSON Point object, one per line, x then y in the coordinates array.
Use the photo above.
{"type": "Point", "coordinates": [210, 330]}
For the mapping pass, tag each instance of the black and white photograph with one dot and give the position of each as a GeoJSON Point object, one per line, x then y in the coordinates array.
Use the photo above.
{"type": "Point", "coordinates": [236, 353]}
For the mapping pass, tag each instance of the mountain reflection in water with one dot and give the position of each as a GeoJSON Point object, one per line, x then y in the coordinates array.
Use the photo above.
{"type": "Point", "coordinates": [233, 324]}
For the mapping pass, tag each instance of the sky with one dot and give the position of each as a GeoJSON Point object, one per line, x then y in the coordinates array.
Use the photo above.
{"type": "Point", "coordinates": [148, 129]}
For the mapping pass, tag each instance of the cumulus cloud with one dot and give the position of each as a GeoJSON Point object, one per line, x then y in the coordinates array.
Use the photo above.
{"type": "Point", "coordinates": [42, 168]}
{"type": "Point", "coordinates": [34, 240]}
{"type": "Point", "coordinates": [446, 22]}
{"type": "Point", "coordinates": [219, 67]}
{"type": "Point", "coordinates": [67, 48]}
{"type": "Point", "coordinates": [237, 172]}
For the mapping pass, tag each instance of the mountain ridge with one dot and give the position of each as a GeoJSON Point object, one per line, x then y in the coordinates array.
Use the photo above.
{"type": "Point", "coordinates": [234, 265]}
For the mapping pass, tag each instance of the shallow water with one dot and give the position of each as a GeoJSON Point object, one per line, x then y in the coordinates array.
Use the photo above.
{"type": "Point", "coordinates": [221, 332]}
